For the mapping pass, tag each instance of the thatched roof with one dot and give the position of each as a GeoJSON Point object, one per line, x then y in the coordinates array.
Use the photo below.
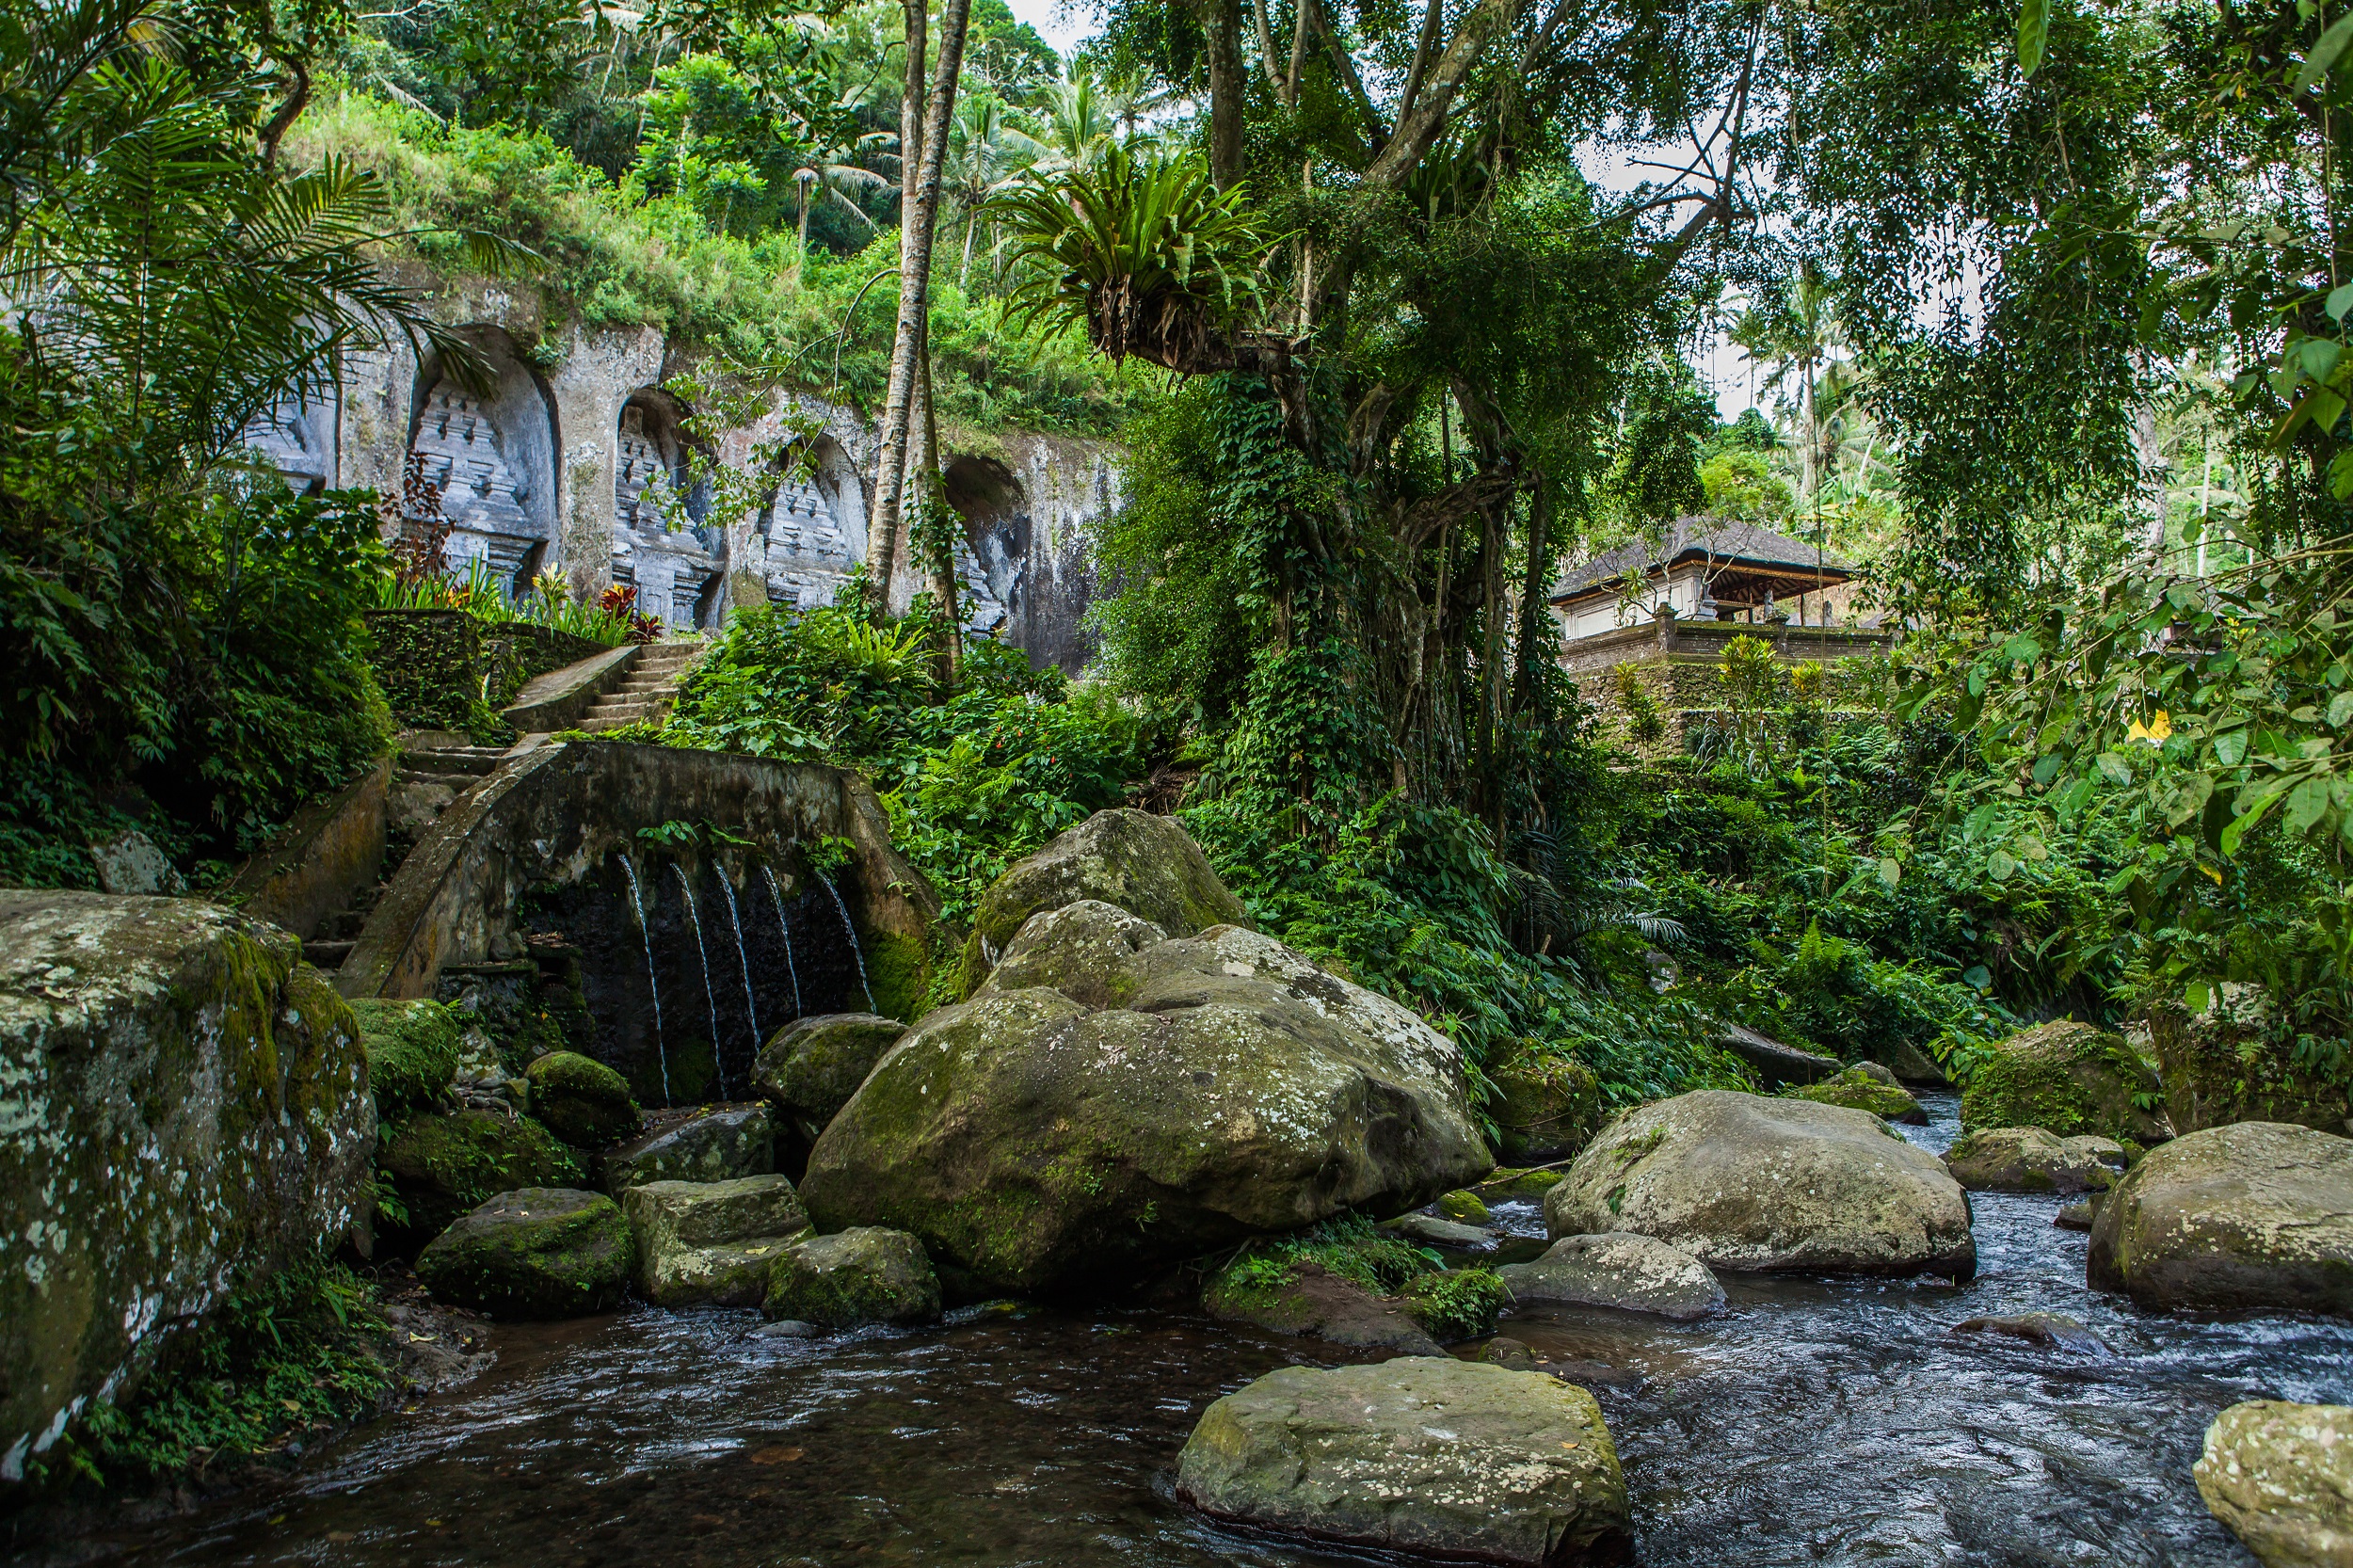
{"type": "Point", "coordinates": [1719, 543]}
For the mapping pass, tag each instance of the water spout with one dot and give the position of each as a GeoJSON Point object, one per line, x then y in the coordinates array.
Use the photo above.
{"type": "Point", "coordinates": [776, 891]}
{"type": "Point", "coordinates": [718, 1057]}
{"type": "Point", "coordinates": [638, 901]}
{"type": "Point", "coordinates": [742, 960]}
{"type": "Point", "coordinates": [852, 932]}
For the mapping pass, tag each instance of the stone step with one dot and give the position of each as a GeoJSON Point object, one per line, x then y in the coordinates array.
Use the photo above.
{"type": "Point", "coordinates": [328, 953]}
{"type": "Point", "coordinates": [460, 782]}
{"type": "Point", "coordinates": [341, 925]}
{"type": "Point", "coordinates": [474, 760]}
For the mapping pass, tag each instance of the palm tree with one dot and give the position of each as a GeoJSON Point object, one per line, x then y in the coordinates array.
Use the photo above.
{"type": "Point", "coordinates": [985, 151]}
{"type": "Point", "coordinates": [1076, 127]}
{"type": "Point", "coordinates": [1796, 337]}
{"type": "Point", "coordinates": [827, 175]}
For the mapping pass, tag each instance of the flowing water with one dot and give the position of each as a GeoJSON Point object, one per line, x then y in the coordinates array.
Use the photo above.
{"type": "Point", "coordinates": [653, 977]}
{"type": "Point", "coordinates": [742, 962]}
{"type": "Point", "coordinates": [791, 969]}
{"type": "Point", "coordinates": [710, 996]}
{"type": "Point", "coordinates": [851, 932]}
{"type": "Point", "coordinates": [1818, 1421]}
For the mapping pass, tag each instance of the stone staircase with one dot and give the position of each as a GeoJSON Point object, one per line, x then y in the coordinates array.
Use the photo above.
{"type": "Point", "coordinates": [647, 690]}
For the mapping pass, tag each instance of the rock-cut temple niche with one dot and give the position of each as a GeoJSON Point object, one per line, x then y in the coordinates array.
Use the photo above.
{"type": "Point", "coordinates": [810, 547]}
{"type": "Point", "coordinates": [677, 573]}
{"type": "Point", "coordinates": [489, 462]}
{"type": "Point", "coordinates": [296, 437]}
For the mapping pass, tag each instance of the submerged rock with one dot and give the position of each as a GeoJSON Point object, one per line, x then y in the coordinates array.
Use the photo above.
{"type": "Point", "coordinates": [2065, 1078]}
{"type": "Point", "coordinates": [2041, 1328]}
{"type": "Point", "coordinates": [1440, 1233]}
{"type": "Point", "coordinates": [2254, 1214]}
{"type": "Point", "coordinates": [1742, 1181]}
{"type": "Point", "coordinates": [1861, 1089]}
{"type": "Point", "coordinates": [582, 1101]}
{"type": "Point", "coordinates": [1037, 1145]}
{"type": "Point", "coordinates": [719, 1142]}
{"type": "Point", "coordinates": [2029, 1159]}
{"type": "Point", "coordinates": [812, 1066]}
{"type": "Point", "coordinates": [710, 1242]}
{"type": "Point", "coordinates": [445, 1166]}
{"type": "Point", "coordinates": [2077, 1215]}
{"type": "Point", "coordinates": [862, 1275]}
{"type": "Point", "coordinates": [1633, 1274]}
{"type": "Point", "coordinates": [2280, 1476]}
{"type": "Point", "coordinates": [1146, 865]}
{"type": "Point", "coordinates": [536, 1253]}
{"type": "Point", "coordinates": [1544, 1104]}
{"type": "Point", "coordinates": [183, 1106]}
{"type": "Point", "coordinates": [1513, 1355]}
{"type": "Point", "coordinates": [412, 1055]}
{"type": "Point", "coordinates": [1314, 1301]}
{"type": "Point", "coordinates": [1419, 1455]}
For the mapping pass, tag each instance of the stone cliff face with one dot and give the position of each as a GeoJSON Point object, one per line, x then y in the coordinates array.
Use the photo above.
{"type": "Point", "coordinates": [570, 464]}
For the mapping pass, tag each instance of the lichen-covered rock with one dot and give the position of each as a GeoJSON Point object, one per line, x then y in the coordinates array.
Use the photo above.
{"type": "Point", "coordinates": [865, 1274]}
{"type": "Point", "coordinates": [812, 1066]}
{"type": "Point", "coordinates": [536, 1253]}
{"type": "Point", "coordinates": [718, 1143]}
{"type": "Point", "coordinates": [1544, 1104]}
{"type": "Point", "coordinates": [444, 1167]}
{"type": "Point", "coordinates": [1744, 1182]}
{"type": "Point", "coordinates": [183, 1106]}
{"type": "Point", "coordinates": [2028, 1159]}
{"type": "Point", "coordinates": [412, 1055]}
{"type": "Point", "coordinates": [1080, 950]}
{"type": "Point", "coordinates": [1310, 1300]}
{"type": "Point", "coordinates": [1426, 1456]}
{"type": "Point", "coordinates": [1859, 1088]}
{"type": "Point", "coordinates": [2280, 1476]}
{"type": "Point", "coordinates": [2066, 1078]}
{"type": "Point", "coordinates": [711, 1240]}
{"type": "Point", "coordinates": [1037, 1145]}
{"type": "Point", "coordinates": [1146, 865]}
{"type": "Point", "coordinates": [1633, 1274]}
{"type": "Point", "coordinates": [2254, 1214]}
{"type": "Point", "coordinates": [581, 1099]}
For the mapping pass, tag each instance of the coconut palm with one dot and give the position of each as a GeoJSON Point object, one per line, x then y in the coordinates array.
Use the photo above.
{"type": "Point", "coordinates": [828, 176]}
{"type": "Point", "coordinates": [985, 151]}
{"type": "Point", "coordinates": [1796, 337]}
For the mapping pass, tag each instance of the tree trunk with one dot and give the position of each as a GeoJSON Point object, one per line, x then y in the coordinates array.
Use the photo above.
{"type": "Point", "coordinates": [944, 562]}
{"type": "Point", "coordinates": [1533, 598]}
{"type": "Point", "coordinates": [1220, 25]}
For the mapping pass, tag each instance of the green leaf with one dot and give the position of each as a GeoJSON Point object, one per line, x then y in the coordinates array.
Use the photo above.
{"type": "Point", "coordinates": [2229, 747]}
{"type": "Point", "coordinates": [2032, 848]}
{"type": "Point", "coordinates": [1891, 871]}
{"type": "Point", "coordinates": [2317, 64]}
{"type": "Point", "coordinates": [2340, 301]}
{"type": "Point", "coordinates": [2340, 710]}
{"type": "Point", "coordinates": [2001, 866]}
{"type": "Point", "coordinates": [2117, 770]}
{"type": "Point", "coordinates": [2034, 32]}
{"type": "Point", "coordinates": [2197, 996]}
{"type": "Point", "coordinates": [2306, 803]}
{"type": "Point", "coordinates": [2241, 824]}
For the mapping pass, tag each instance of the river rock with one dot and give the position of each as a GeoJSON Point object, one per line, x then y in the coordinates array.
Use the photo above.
{"type": "Point", "coordinates": [2065, 1078]}
{"type": "Point", "coordinates": [864, 1274]}
{"type": "Point", "coordinates": [1544, 1104]}
{"type": "Point", "coordinates": [2254, 1214]}
{"type": "Point", "coordinates": [1633, 1274]}
{"type": "Point", "coordinates": [720, 1142]}
{"type": "Point", "coordinates": [1859, 1088]}
{"type": "Point", "coordinates": [581, 1099]}
{"type": "Point", "coordinates": [1503, 1185]}
{"type": "Point", "coordinates": [183, 1106]}
{"type": "Point", "coordinates": [2077, 1215]}
{"type": "Point", "coordinates": [2234, 1063]}
{"type": "Point", "coordinates": [1742, 1181]}
{"type": "Point", "coordinates": [1911, 1064]}
{"type": "Point", "coordinates": [1146, 865]}
{"type": "Point", "coordinates": [1314, 1301]}
{"type": "Point", "coordinates": [2280, 1476]}
{"type": "Point", "coordinates": [444, 1167]}
{"type": "Point", "coordinates": [2041, 1328]}
{"type": "Point", "coordinates": [412, 1055]}
{"type": "Point", "coordinates": [812, 1066]}
{"type": "Point", "coordinates": [1034, 1143]}
{"type": "Point", "coordinates": [711, 1240]}
{"type": "Point", "coordinates": [1441, 1232]}
{"type": "Point", "coordinates": [2029, 1159]}
{"type": "Point", "coordinates": [1080, 950]}
{"type": "Point", "coordinates": [1776, 1064]}
{"type": "Point", "coordinates": [1513, 1355]}
{"type": "Point", "coordinates": [1422, 1456]}
{"type": "Point", "coordinates": [536, 1253]}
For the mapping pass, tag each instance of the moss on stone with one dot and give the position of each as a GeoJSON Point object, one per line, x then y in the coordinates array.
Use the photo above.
{"type": "Point", "coordinates": [581, 1099]}
{"type": "Point", "coordinates": [1457, 1304]}
{"type": "Point", "coordinates": [443, 1167]}
{"type": "Point", "coordinates": [1546, 1105]}
{"type": "Point", "coordinates": [2066, 1078]}
{"type": "Point", "coordinates": [533, 1253]}
{"type": "Point", "coordinates": [865, 1274]}
{"type": "Point", "coordinates": [1464, 1207]}
{"type": "Point", "coordinates": [899, 973]}
{"type": "Point", "coordinates": [412, 1054]}
{"type": "Point", "coordinates": [1859, 1090]}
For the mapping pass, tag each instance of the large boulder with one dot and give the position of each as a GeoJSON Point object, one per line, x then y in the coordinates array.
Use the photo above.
{"type": "Point", "coordinates": [445, 1166]}
{"type": "Point", "coordinates": [812, 1066]}
{"type": "Point", "coordinates": [711, 1240]}
{"type": "Point", "coordinates": [1867, 1087]}
{"type": "Point", "coordinates": [581, 1099]}
{"type": "Point", "coordinates": [536, 1253]}
{"type": "Point", "coordinates": [2066, 1078]}
{"type": "Point", "coordinates": [2028, 1159]}
{"type": "Point", "coordinates": [412, 1055]}
{"type": "Point", "coordinates": [865, 1274]}
{"type": "Point", "coordinates": [1743, 1182]}
{"type": "Point", "coordinates": [719, 1142]}
{"type": "Point", "coordinates": [1036, 1143]}
{"type": "Point", "coordinates": [1633, 1274]}
{"type": "Point", "coordinates": [1307, 1299]}
{"type": "Point", "coordinates": [2235, 1063]}
{"type": "Point", "coordinates": [1420, 1455]}
{"type": "Point", "coordinates": [2280, 1476]}
{"type": "Point", "coordinates": [2254, 1214]}
{"type": "Point", "coordinates": [1146, 865]}
{"type": "Point", "coordinates": [1544, 1104]}
{"type": "Point", "coordinates": [183, 1108]}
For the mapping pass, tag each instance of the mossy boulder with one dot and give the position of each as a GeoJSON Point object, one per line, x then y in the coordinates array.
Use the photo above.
{"type": "Point", "coordinates": [1146, 865]}
{"type": "Point", "coordinates": [864, 1274]}
{"type": "Point", "coordinates": [2253, 1214]}
{"type": "Point", "coordinates": [581, 1099]}
{"type": "Point", "coordinates": [1422, 1456]}
{"type": "Point", "coordinates": [718, 1142]}
{"type": "Point", "coordinates": [1083, 950]}
{"type": "Point", "coordinates": [1911, 1064]}
{"type": "Point", "coordinates": [2028, 1159]}
{"type": "Point", "coordinates": [1861, 1089]}
{"type": "Point", "coordinates": [812, 1066]}
{"type": "Point", "coordinates": [1632, 1274]}
{"type": "Point", "coordinates": [1505, 1185]}
{"type": "Point", "coordinates": [1303, 1297]}
{"type": "Point", "coordinates": [2280, 1476]}
{"type": "Point", "coordinates": [445, 1166]}
{"type": "Point", "coordinates": [1463, 1206]}
{"type": "Point", "coordinates": [183, 1107]}
{"type": "Point", "coordinates": [534, 1253]}
{"type": "Point", "coordinates": [712, 1242]}
{"type": "Point", "coordinates": [1544, 1104]}
{"type": "Point", "coordinates": [2067, 1077]}
{"type": "Point", "coordinates": [1036, 1143]}
{"type": "Point", "coordinates": [1747, 1182]}
{"type": "Point", "coordinates": [412, 1055]}
{"type": "Point", "coordinates": [2235, 1063]}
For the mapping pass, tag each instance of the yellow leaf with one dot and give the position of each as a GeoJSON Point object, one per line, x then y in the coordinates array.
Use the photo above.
{"type": "Point", "coordinates": [2215, 874]}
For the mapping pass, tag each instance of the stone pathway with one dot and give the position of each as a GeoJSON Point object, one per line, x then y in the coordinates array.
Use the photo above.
{"type": "Point", "coordinates": [647, 690]}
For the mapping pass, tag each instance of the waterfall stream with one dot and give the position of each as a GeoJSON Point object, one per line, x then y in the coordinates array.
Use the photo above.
{"type": "Point", "coordinates": [775, 890]}
{"type": "Point", "coordinates": [718, 1058]}
{"type": "Point", "coordinates": [661, 1046]}
{"type": "Point", "coordinates": [850, 931]}
{"type": "Point", "coordinates": [742, 962]}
